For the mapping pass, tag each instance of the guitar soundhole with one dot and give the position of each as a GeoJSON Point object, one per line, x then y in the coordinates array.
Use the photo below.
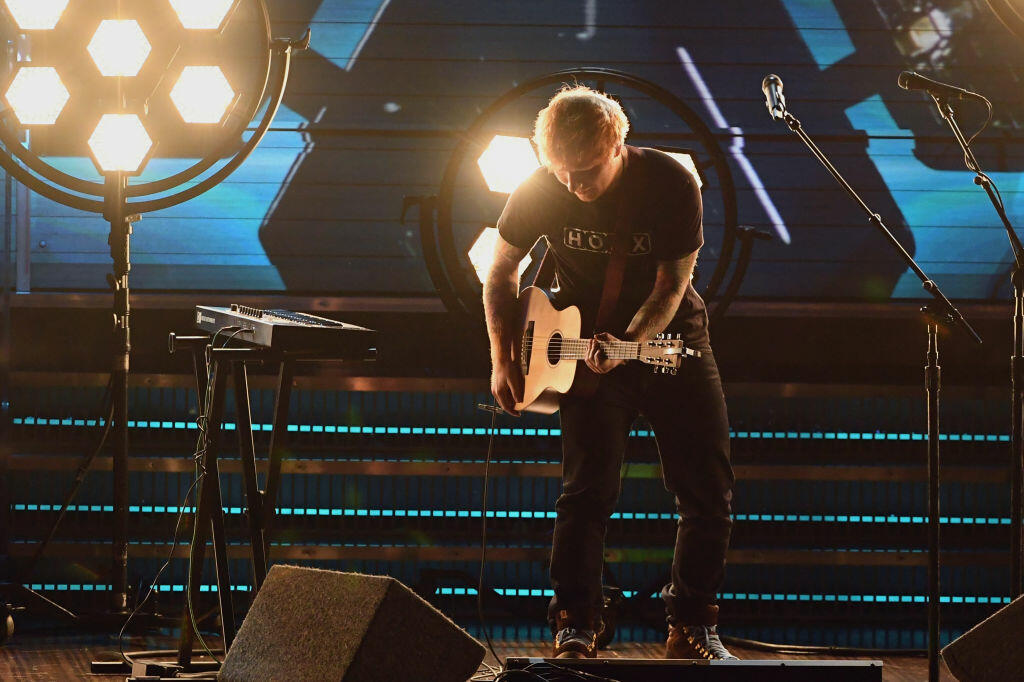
{"type": "Point", "coordinates": [554, 348]}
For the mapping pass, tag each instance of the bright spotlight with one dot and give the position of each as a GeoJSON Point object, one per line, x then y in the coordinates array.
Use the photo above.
{"type": "Point", "coordinates": [202, 14]}
{"type": "Point", "coordinates": [36, 15]}
{"type": "Point", "coordinates": [202, 94]}
{"type": "Point", "coordinates": [119, 48]}
{"type": "Point", "coordinates": [37, 95]}
{"type": "Point", "coordinates": [481, 254]}
{"type": "Point", "coordinates": [506, 162]}
{"type": "Point", "coordinates": [686, 161]}
{"type": "Point", "coordinates": [120, 143]}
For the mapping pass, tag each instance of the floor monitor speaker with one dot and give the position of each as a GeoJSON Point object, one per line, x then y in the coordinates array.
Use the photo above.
{"type": "Point", "coordinates": [991, 650]}
{"type": "Point", "coordinates": [309, 624]}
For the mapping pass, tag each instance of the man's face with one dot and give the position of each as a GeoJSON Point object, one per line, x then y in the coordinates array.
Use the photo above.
{"type": "Point", "coordinates": [591, 178]}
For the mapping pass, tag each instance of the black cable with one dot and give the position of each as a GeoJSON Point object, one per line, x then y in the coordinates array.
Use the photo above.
{"type": "Point", "coordinates": [202, 424]}
{"type": "Point", "coordinates": [76, 484]}
{"type": "Point", "coordinates": [156, 579]}
{"type": "Point", "coordinates": [799, 649]}
{"type": "Point", "coordinates": [483, 536]}
{"type": "Point", "coordinates": [967, 160]}
{"type": "Point", "coordinates": [201, 445]}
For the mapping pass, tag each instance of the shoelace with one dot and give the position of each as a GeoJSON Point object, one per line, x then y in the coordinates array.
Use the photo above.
{"type": "Point", "coordinates": [705, 639]}
{"type": "Point", "coordinates": [566, 634]}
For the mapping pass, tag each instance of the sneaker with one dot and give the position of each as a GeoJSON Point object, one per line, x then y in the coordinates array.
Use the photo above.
{"type": "Point", "coordinates": [696, 641]}
{"type": "Point", "coordinates": [573, 641]}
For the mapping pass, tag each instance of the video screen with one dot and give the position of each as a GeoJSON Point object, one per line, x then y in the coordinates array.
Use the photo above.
{"type": "Point", "coordinates": [376, 106]}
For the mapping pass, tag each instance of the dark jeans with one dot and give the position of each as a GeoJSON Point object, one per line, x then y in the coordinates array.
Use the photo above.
{"type": "Point", "coordinates": [688, 414]}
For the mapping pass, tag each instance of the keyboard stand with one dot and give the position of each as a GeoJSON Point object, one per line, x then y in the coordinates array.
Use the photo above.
{"type": "Point", "coordinates": [209, 515]}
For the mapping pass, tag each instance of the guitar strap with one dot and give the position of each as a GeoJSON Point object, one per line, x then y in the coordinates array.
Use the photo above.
{"type": "Point", "coordinates": [614, 271]}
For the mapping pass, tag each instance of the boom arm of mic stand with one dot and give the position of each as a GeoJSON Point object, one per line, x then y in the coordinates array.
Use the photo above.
{"type": "Point", "coordinates": [947, 113]}
{"type": "Point", "coordinates": [1016, 360]}
{"type": "Point", "coordinates": [946, 307]}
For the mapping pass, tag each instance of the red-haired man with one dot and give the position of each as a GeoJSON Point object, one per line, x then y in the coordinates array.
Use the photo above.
{"type": "Point", "coordinates": [592, 188]}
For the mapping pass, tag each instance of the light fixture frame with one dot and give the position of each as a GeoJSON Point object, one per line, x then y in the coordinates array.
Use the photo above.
{"type": "Point", "coordinates": [122, 204]}
{"type": "Point", "coordinates": [31, 170]}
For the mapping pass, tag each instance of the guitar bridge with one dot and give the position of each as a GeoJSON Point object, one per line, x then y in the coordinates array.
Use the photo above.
{"type": "Point", "coordinates": [526, 351]}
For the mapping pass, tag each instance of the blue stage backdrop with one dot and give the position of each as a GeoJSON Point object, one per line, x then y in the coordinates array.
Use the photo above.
{"type": "Point", "coordinates": [375, 107]}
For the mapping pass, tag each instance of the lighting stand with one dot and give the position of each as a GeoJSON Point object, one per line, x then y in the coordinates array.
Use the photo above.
{"type": "Point", "coordinates": [121, 205]}
{"type": "Point", "coordinates": [1017, 359]}
{"type": "Point", "coordinates": [115, 212]}
{"type": "Point", "coordinates": [938, 313]}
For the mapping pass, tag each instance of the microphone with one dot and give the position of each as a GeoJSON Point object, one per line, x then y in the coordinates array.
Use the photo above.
{"type": "Point", "coordinates": [909, 80]}
{"type": "Point", "coordinates": [771, 86]}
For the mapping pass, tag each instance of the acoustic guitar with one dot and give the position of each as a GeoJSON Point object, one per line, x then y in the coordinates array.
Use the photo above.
{"type": "Point", "coordinates": [549, 347]}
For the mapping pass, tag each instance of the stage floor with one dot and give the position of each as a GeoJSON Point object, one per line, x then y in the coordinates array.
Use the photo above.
{"type": "Point", "coordinates": [35, 658]}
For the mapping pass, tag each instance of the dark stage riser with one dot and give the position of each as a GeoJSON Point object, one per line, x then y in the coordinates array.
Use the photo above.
{"type": "Point", "coordinates": [829, 501]}
{"type": "Point", "coordinates": [644, 670]}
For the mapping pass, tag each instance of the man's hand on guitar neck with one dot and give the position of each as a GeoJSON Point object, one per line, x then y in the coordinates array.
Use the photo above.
{"type": "Point", "coordinates": [507, 385]}
{"type": "Point", "coordinates": [597, 360]}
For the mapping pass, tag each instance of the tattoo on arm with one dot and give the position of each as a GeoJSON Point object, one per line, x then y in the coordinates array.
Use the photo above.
{"type": "Point", "coordinates": [662, 303]}
{"type": "Point", "coordinates": [501, 291]}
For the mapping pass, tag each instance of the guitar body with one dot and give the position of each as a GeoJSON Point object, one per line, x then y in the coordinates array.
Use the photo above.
{"type": "Point", "coordinates": [549, 349]}
{"type": "Point", "coordinates": [546, 377]}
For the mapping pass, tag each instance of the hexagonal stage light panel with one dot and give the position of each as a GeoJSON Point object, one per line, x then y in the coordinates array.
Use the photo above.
{"type": "Point", "coordinates": [36, 15]}
{"type": "Point", "coordinates": [37, 95]}
{"type": "Point", "coordinates": [506, 162]}
{"type": "Point", "coordinates": [202, 94]}
{"type": "Point", "coordinates": [687, 162]}
{"type": "Point", "coordinates": [119, 48]}
{"type": "Point", "coordinates": [481, 253]}
{"type": "Point", "coordinates": [202, 14]}
{"type": "Point", "coordinates": [120, 143]}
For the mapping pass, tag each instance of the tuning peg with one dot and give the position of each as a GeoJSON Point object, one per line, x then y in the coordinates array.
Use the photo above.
{"type": "Point", "coordinates": [679, 336]}
{"type": "Point", "coordinates": [659, 336]}
{"type": "Point", "coordinates": [673, 371]}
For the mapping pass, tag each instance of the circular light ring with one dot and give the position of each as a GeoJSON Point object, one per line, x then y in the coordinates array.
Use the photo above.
{"type": "Point", "coordinates": [456, 283]}
{"type": "Point", "coordinates": [36, 95]}
{"type": "Point", "coordinates": [36, 15]}
{"type": "Point", "coordinates": [119, 47]}
{"type": "Point", "coordinates": [120, 144]}
{"type": "Point", "coordinates": [91, 188]}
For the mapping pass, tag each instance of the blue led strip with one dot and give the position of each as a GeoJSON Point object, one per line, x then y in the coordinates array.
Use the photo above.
{"type": "Point", "coordinates": [536, 592]}
{"type": "Point", "coordinates": [759, 596]}
{"type": "Point", "coordinates": [528, 514]}
{"type": "Point", "coordinates": [89, 587]}
{"type": "Point", "coordinates": [546, 433]}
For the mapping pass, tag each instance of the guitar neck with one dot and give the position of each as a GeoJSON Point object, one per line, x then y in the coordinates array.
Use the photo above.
{"type": "Point", "coordinates": [576, 349]}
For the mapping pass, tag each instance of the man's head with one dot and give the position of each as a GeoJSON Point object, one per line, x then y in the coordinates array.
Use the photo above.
{"type": "Point", "coordinates": [579, 136]}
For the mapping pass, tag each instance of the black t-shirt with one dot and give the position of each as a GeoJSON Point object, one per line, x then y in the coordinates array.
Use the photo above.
{"type": "Point", "coordinates": [663, 214]}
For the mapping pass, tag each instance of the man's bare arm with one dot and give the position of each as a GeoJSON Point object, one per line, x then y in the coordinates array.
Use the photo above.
{"type": "Point", "coordinates": [501, 292]}
{"type": "Point", "coordinates": [501, 308]}
{"type": "Point", "coordinates": [660, 307]}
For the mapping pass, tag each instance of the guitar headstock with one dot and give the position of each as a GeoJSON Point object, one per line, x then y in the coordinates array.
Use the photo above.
{"type": "Point", "coordinates": [666, 352]}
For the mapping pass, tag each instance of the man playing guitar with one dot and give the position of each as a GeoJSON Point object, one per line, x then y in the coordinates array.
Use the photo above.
{"type": "Point", "coordinates": [596, 201]}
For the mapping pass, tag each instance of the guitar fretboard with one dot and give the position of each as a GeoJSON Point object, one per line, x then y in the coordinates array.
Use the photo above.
{"type": "Point", "coordinates": [576, 349]}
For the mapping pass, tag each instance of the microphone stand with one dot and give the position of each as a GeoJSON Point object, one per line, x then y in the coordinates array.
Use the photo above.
{"type": "Point", "coordinates": [1016, 360]}
{"type": "Point", "coordinates": [939, 312]}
